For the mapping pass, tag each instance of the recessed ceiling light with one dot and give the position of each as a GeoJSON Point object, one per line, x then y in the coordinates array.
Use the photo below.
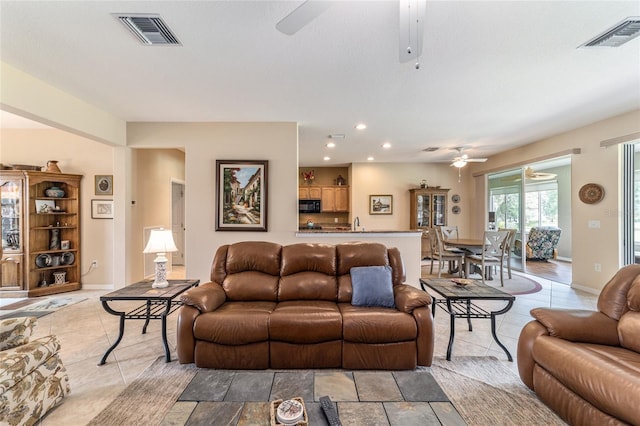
{"type": "Point", "coordinates": [369, 158]}
{"type": "Point", "coordinates": [386, 145]}
{"type": "Point", "coordinates": [327, 158]}
{"type": "Point", "coordinates": [331, 145]}
{"type": "Point", "coordinates": [361, 126]}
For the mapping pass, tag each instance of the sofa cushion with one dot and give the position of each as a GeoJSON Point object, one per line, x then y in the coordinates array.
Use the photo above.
{"type": "Point", "coordinates": [235, 323]}
{"type": "Point", "coordinates": [16, 363]}
{"type": "Point", "coordinates": [376, 324]}
{"type": "Point", "coordinates": [306, 321]}
{"type": "Point", "coordinates": [608, 377]}
{"type": "Point", "coordinates": [372, 286]}
{"type": "Point", "coordinates": [251, 286]}
{"type": "Point", "coordinates": [629, 331]}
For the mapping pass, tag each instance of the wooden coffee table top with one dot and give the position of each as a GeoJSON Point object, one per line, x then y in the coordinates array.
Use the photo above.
{"type": "Point", "coordinates": [448, 289]}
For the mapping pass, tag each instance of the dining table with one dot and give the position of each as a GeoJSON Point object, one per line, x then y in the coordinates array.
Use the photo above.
{"type": "Point", "coordinates": [470, 245]}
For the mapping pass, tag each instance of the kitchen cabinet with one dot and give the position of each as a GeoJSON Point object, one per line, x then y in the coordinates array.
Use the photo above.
{"type": "Point", "coordinates": [309, 193]}
{"type": "Point", "coordinates": [335, 199]}
{"type": "Point", "coordinates": [428, 209]}
{"type": "Point", "coordinates": [39, 219]}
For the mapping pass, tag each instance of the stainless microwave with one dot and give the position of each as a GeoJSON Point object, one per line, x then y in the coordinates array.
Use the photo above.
{"type": "Point", "coordinates": [309, 206]}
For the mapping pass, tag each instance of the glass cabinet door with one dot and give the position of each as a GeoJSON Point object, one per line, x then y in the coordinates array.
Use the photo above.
{"type": "Point", "coordinates": [422, 207]}
{"type": "Point", "coordinates": [439, 213]}
{"type": "Point", "coordinates": [10, 202]}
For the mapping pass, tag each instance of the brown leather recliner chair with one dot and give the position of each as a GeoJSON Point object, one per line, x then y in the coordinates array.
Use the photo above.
{"type": "Point", "coordinates": [584, 364]}
{"type": "Point", "coordinates": [273, 306]}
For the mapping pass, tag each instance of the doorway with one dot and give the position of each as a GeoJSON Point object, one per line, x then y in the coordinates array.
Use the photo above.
{"type": "Point", "coordinates": [535, 195]}
{"type": "Point", "coordinates": [177, 220]}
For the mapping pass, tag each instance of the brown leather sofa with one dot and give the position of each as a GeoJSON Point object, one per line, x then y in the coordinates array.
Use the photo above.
{"type": "Point", "coordinates": [583, 364]}
{"type": "Point", "coordinates": [274, 306]}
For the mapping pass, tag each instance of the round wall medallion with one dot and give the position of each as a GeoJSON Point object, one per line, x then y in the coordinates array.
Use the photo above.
{"type": "Point", "coordinates": [455, 198]}
{"type": "Point", "coordinates": [455, 209]}
{"type": "Point", "coordinates": [591, 193]}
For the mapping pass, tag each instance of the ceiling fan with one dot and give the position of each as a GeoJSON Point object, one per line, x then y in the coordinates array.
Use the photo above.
{"type": "Point", "coordinates": [529, 173]}
{"type": "Point", "coordinates": [410, 32]}
{"type": "Point", "coordinates": [462, 159]}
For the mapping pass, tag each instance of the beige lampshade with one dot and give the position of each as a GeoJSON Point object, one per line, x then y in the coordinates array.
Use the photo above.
{"type": "Point", "coordinates": [160, 241]}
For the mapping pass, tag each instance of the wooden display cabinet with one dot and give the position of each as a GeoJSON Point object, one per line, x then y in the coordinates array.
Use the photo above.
{"type": "Point", "coordinates": [428, 209]}
{"type": "Point", "coordinates": [47, 221]}
{"type": "Point", "coordinates": [11, 261]}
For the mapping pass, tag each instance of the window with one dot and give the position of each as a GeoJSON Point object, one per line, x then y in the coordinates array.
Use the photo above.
{"type": "Point", "coordinates": [541, 204]}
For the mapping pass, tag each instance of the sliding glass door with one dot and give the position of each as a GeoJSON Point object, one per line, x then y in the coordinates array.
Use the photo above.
{"type": "Point", "coordinates": [505, 202]}
{"type": "Point", "coordinates": [536, 195]}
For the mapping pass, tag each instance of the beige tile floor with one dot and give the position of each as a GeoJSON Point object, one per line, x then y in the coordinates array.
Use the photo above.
{"type": "Point", "coordinates": [85, 331]}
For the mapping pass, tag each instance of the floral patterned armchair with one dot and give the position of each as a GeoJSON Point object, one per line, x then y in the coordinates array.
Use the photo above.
{"type": "Point", "coordinates": [542, 243]}
{"type": "Point", "coordinates": [32, 377]}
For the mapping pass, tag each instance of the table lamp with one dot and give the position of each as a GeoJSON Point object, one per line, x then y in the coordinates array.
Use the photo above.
{"type": "Point", "coordinates": [160, 242]}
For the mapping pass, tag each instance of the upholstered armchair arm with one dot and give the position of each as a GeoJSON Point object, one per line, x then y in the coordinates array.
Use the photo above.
{"type": "Point", "coordinates": [206, 297]}
{"type": "Point", "coordinates": [579, 325]}
{"type": "Point", "coordinates": [15, 331]}
{"type": "Point", "coordinates": [408, 298]}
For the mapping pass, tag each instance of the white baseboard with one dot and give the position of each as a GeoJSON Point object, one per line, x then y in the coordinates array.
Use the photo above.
{"type": "Point", "coordinates": [97, 287]}
{"type": "Point", "coordinates": [586, 289]}
{"type": "Point", "coordinates": [564, 259]}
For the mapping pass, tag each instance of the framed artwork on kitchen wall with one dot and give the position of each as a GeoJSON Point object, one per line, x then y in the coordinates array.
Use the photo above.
{"type": "Point", "coordinates": [241, 195]}
{"type": "Point", "coordinates": [380, 204]}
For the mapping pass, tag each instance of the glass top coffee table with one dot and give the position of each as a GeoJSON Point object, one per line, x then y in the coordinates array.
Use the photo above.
{"type": "Point", "coordinates": [458, 301]}
{"type": "Point", "coordinates": [158, 304]}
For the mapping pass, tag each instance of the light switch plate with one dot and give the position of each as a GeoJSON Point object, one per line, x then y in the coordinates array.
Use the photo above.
{"type": "Point", "coordinates": [594, 224]}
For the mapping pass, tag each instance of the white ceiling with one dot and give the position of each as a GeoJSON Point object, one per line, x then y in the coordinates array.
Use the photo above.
{"type": "Point", "coordinates": [493, 75]}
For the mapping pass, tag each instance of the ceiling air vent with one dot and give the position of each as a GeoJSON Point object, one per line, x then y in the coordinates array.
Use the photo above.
{"type": "Point", "coordinates": [430, 149]}
{"type": "Point", "coordinates": [149, 29]}
{"type": "Point", "coordinates": [617, 35]}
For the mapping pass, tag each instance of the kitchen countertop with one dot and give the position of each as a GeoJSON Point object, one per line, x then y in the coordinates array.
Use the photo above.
{"type": "Point", "coordinates": [338, 232]}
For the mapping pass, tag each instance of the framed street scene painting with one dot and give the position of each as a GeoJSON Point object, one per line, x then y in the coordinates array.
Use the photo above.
{"type": "Point", "coordinates": [241, 195]}
{"type": "Point", "coordinates": [380, 204]}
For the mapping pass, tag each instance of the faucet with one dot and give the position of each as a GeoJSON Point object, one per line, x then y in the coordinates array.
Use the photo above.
{"type": "Point", "coordinates": [356, 223]}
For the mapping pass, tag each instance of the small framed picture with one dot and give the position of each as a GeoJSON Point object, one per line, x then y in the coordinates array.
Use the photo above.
{"type": "Point", "coordinates": [380, 204]}
{"type": "Point", "coordinates": [104, 184]}
{"type": "Point", "coordinates": [65, 245]}
{"type": "Point", "coordinates": [102, 209]}
{"type": "Point", "coordinates": [45, 206]}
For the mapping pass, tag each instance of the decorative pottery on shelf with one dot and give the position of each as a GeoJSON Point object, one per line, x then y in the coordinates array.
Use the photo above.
{"type": "Point", "coordinates": [52, 167]}
{"type": "Point", "coordinates": [54, 192]}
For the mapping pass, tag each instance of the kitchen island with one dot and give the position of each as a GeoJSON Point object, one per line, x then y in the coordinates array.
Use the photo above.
{"type": "Point", "coordinates": [407, 241]}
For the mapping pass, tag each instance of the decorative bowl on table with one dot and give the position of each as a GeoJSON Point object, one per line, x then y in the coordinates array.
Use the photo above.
{"type": "Point", "coordinates": [462, 281]}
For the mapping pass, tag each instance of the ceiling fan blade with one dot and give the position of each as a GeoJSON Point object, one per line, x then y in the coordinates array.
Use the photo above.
{"type": "Point", "coordinates": [411, 28]}
{"type": "Point", "coordinates": [301, 16]}
{"type": "Point", "coordinates": [476, 160]}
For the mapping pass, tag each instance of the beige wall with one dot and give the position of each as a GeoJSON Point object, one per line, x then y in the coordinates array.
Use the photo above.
{"type": "Point", "coordinates": [396, 179]}
{"type": "Point", "coordinates": [76, 155]}
{"type": "Point", "coordinates": [204, 143]}
{"type": "Point", "coordinates": [593, 164]}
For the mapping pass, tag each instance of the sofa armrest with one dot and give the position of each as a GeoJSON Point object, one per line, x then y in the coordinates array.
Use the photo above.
{"type": "Point", "coordinates": [15, 332]}
{"type": "Point", "coordinates": [578, 325]}
{"type": "Point", "coordinates": [206, 297]}
{"type": "Point", "coordinates": [408, 298]}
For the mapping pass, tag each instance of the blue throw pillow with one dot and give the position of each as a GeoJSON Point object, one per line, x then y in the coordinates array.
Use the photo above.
{"type": "Point", "coordinates": [372, 286]}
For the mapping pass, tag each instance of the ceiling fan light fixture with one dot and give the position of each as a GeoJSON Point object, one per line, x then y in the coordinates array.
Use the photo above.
{"type": "Point", "coordinates": [459, 163]}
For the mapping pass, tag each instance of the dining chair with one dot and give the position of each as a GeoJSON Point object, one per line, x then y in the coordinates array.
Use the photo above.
{"type": "Point", "coordinates": [448, 233]}
{"type": "Point", "coordinates": [511, 239]}
{"type": "Point", "coordinates": [443, 256]}
{"type": "Point", "coordinates": [492, 254]}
